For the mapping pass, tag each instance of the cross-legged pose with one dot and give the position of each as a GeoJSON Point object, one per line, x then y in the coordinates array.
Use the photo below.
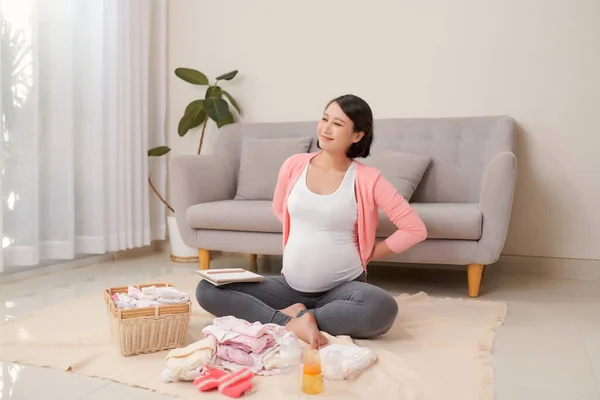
{"type": "Point", "coordinates": [328, 205]}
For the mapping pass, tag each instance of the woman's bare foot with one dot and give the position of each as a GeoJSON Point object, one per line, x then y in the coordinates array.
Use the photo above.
{"type": "Point", "coordinates": [293, 310]}
{"type": "Point", "coordinates": [306, 329]}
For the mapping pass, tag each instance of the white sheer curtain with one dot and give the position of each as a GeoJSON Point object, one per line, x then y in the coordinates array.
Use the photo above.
{"type": "Point", "coordinates": [83, 98]}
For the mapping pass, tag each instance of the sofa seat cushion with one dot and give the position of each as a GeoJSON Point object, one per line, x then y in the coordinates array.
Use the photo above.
{"type": "Point", "coordinates": [234, 215]}
{"type": "Point", "coordinates": [443, 221]}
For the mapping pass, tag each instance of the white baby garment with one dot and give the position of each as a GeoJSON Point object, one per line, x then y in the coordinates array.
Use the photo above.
{"type": "Point", "coordinates": [355, 359]}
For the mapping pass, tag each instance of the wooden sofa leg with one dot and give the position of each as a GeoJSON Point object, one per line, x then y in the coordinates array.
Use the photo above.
{"type": "Point", "coordinates": [253, 263]}
{"type": "Point", "coordinates": [474, 273]}
{"type": "Point", "coordinates": [204, 257]}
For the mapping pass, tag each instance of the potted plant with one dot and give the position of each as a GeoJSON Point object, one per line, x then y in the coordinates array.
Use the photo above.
{"type": "Point", "coordinates": [213, 107]}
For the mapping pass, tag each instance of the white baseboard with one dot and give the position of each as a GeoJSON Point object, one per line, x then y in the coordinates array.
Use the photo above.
{"type": "Point", "coordinates": [51, 268]}
{"type": "Point", "coordinates": [155, 246]}
{"type": "Point", "coordinates": [568, 268]}
{"type": "Point", "coordinates": [80, 261]}
{"type": "Point", "coordinates": [571, 268]}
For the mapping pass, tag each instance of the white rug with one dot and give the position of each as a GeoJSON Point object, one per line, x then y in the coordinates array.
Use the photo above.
{"type": "Point", "coordinates": [437, 349]}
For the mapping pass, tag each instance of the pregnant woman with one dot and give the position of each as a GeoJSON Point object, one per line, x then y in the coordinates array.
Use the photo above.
{"type": "Point", "coordinates": [328, 205]}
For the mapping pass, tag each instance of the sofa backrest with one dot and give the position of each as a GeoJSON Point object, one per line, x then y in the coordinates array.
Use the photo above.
{"type": "Point", "coordinates": [460, 148]}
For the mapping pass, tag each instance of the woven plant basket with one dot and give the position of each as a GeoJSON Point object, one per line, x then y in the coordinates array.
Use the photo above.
{"type": "Point", "coordinates": [148, 329]}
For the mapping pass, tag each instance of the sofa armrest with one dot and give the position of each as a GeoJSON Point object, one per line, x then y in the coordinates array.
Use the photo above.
{"type": "Point", "coordinates": [198, 179]}
{"type": "Point", "coordinates": [495, 202]}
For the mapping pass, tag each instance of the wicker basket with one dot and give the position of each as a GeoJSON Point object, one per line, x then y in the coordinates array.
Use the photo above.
{"type": "Point", "coordinates": [149, 329]}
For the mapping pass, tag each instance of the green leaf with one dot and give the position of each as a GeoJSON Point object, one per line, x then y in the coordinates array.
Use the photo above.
{"type": "Point", "coordinates": [193, 117]}
{"type": "Point", "coordinates": [194, 104]}
{"type": "Point", "coordinates": [216, 108]}
{"type": "Point", "coordinates": [158, 151]}
{"type": "Point", "coordinates": [233, 102]}
{"type": "Point", "coordinates": [228, 119]}
{"type": "Point", "coordinates": [227, 76]}
{"type": "Point", "coordinates": [213, 91]}
{"type": "Point", "coordinates": [191, 76]}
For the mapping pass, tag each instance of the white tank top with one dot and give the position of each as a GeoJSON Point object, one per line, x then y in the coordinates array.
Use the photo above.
{"type": "Point", "coordinates": [322, 248]}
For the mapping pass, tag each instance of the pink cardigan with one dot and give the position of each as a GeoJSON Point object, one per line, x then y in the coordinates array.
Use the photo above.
{"type": "Point", "coordinates": [373, 191]}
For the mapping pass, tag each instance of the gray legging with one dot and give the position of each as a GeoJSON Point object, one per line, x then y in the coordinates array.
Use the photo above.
{"type": "Point", "coordinates": [356, 308]}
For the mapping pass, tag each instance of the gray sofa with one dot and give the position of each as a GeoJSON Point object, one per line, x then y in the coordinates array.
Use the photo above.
{"type": "Point", "coordinates": [464, 197]}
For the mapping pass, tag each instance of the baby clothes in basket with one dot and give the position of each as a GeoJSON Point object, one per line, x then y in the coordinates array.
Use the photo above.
{"type": "Point", "coordinates": [149, 297]}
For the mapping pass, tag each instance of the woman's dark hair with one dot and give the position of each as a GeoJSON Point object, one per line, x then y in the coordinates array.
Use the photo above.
{"type": "Point", "coordinates": [361, 115]}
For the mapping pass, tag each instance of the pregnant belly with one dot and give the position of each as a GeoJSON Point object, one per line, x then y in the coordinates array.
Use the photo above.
{"type": "Point", "coordinates": [318, 264]}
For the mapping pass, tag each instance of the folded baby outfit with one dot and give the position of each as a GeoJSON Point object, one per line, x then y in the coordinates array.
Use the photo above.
{"type": "Point", "coordinates": [185, 364]}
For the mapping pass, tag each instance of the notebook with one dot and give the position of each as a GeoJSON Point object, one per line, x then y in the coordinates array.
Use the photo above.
{"type": "Point", "coordinates": [224, 276]}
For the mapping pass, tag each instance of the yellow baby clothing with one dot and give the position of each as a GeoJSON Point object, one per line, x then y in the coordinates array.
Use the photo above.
{"type": "Point", "coordinates": [184, 364]}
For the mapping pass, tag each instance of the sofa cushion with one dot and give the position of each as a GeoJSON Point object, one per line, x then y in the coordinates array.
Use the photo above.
{"type": "Point", "coordinates": [403, 170]}
{"type": "Point", "coordinates": [234, 215]}
{"type": "Point", "coordinates": [443, 221]}
{"type": "Point", "coordinates": [260, 163]}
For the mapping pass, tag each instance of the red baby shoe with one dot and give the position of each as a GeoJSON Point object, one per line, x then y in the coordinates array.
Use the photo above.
{"type": "Point", "coordinates": [236, 384]}
{"type": "Point", "coordinates": [209, 379]}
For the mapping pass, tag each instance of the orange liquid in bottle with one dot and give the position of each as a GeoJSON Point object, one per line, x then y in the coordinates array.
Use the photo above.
{"type": "Point", "coordinates": [312, 381]}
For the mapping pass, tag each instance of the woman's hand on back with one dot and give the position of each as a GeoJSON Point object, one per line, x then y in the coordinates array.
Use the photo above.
{"type": "Point", "coordinates": [380, 250]}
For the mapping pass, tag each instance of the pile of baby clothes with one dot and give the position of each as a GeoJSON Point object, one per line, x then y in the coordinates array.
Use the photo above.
{"type": "Point", "coordinates": [149, 297]}
{"type": "Point", "coordinates": [241, 344]}
{"type": "Point", "coordinates": [195, 363]}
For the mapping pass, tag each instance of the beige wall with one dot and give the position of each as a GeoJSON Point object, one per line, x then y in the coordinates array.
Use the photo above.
{"type": "Point", "coordinates": [535, 60]}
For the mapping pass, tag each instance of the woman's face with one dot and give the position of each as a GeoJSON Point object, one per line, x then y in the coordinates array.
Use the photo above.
{"type": "Point", "coordinates": [336, 130]}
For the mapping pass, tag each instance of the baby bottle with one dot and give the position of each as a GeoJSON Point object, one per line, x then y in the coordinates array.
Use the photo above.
{"type": "Point", "coordinates": [332, 366]}
{"type": "Point", "coordinates": [312, 380]}
{"type": "Point", "coordinates": [290, 358]}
